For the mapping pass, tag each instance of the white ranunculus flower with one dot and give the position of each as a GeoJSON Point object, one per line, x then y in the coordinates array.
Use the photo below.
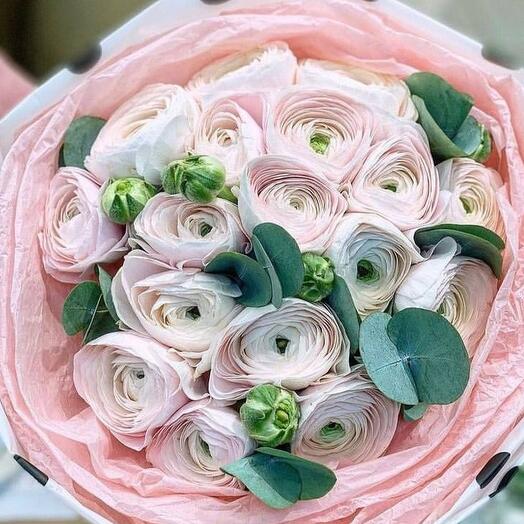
{"type": "Point", "coordinates": [183, 309]}
{"type": "Point", "coordinates": [295, 346]}
{"type": "Point", "coordinates": [151, 129]}
{"type": "Point", "coordinates": [188, 234]}
{"type": "Point", "coordinates": [325, 127]}
{"type": "Point", "coordinates": [228, 132]}
{"type": "Point", "coordinates": [374, 257]}
{"type": "Point", "coordinates": [398, 179]}
{"type": "Point", "coordinates": [198, 440]}
{"type": "Point", "coordinates": [77, 234]}
{"type": "Point", "coordinates": [345, 421]}
{"type": "Point", "coordinates": [287, 191]}
{"type": "Point", "coordinates": [133, 384]}
{"type": "Point", "coordinates": [461, 288]}
{"type": "Point", "coordinates": [387, 92]}
{"type": "Point", "coordinates": [470, 191]}
{"type": "Point", "coordinates": [267, 67]}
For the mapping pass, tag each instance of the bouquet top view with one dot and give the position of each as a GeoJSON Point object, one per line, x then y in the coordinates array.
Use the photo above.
{"type": "Point", "coordinates": [265, 268]}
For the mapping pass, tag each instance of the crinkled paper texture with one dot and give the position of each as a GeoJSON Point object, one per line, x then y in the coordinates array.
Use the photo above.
{"type": "Point", "coordinates": [428, 464]}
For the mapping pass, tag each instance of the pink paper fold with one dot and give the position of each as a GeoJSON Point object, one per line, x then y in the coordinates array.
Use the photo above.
{"type": "Point", "coordinates": [428, 464]}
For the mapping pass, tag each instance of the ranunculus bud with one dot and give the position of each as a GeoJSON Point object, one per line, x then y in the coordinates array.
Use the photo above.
{"type": "Point", "coordinates": [199, 178]}
{"type": "Point", "coordinates": [319, 276]}
{"type": "Point", "coordinates": [124, 198]}
{"type": "Point", "coordinates": [270, 415]}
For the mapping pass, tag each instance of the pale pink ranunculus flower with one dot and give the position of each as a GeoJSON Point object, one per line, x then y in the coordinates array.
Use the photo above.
{"type": "Point", "coordinates": [461, 288]}
{"type": "Point", "coordinates": [133, 384]}
{"type": "Point", "coordinates": [188, 234]}
{"type": "Point", "coordinates": [266, 67]}
{"type": "Point", "coordinates": [77, 234]}
{"type": "Point", "coordinates": [198, 440]}
{"type": "Point", "coordinates": [470, 194]}
{"type": "Point", "coordinates": [398, 179]}
{"type": "Point", "coordinates": [184, 309]}
{"type": "Point", "coordinates": [145, 134]}
{"type": "Point", "coordinates": [325, 127]}
{"type": "Point", "coordinates": [387, 92]}
{"type": "Point", "coordinates": [295, 346]}
{"type": "Point", "coordinates": [228, 132]}
{"type": "Point", "coordinates": [289, 192]}
{"type": "Point", "coordinates": [374, 257]}
{"type": "Point", "coordinates": [345, 421]}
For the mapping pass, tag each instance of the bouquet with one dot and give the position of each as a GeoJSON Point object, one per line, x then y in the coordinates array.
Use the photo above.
{"type": "Point", "coordinates": [270, 282]}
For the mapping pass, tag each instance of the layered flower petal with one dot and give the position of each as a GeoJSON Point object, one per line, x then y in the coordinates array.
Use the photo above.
{"type": "Point", "coordinates": [288, 191]}
{"type": "Point", "coordinates": [187, 233]}
{"type": "Point", "coordinates": [268, 66]}
{"type": "Point", "coordinates": [77, 234]}
{"type": "Point", "coordinates": [374, 257]}
{"type": "Point", "coordinates": [470, 192]}
{"type": "Point", "coordinates": [345, 421]}
{"type": "Point", "coordinates": [146, 133]}
{"type": "Point", "coordinates": [323, 126]}
{"type": "Point", "coordinates": [183, 309]}
{"type": "Point", "coordinates": [228, 132]}
{"type": "Point", "coordinates": [198, 440]}
{"type": "Point", "coordinates": [461, 288]}
{"type": "Point", "coordinates": [387, 92]}
{"type": "Point", "coordinates": [398, 179]}
{"type": "Point", "coordinates": [133, 384]}
{"type": "Point", "coordinates": [295, 346]}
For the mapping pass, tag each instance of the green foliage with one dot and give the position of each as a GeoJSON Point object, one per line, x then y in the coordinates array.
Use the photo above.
{"type": "Point", "coordinates": [414, 357]}
{"type": "Point", "coordinates": [474, 241]}
{"type": "Point", "coordinates": [78, 140]}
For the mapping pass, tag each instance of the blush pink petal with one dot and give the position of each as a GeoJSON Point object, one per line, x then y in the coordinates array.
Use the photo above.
{"type": "Point", "coordinates": [428, 465]}
{"type": "Point", "coordinates": [77, 234]}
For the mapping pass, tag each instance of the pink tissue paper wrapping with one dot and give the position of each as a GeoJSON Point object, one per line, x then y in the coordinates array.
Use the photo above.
{"type": "Point", "coordinates": [429, 463]}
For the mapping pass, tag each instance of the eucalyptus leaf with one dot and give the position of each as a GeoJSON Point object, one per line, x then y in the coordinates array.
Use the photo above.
{"type": "Point", "coordinates": [79, 138]}
{"type": "Point", "coordinates": [80, 307]}
{"type": "Point", "coordinates": [317, 479]}
{"type": "Point", "coordinates": [414, 413]}
{"type": "Point", "coordinates": [282, 251]}
{"type": "Point", "coordinates": [342, 304]}
{"type": "Point", "coordinates": [475, 241]}
{"type": "Point", "coordinates": [444, 115]}
{"type": "Point", "coordinates": [101, 323]}
{"type": "Point", "coordinates": [448, 107]}
{"type": "Point", "coordinates": [264, 260]}
{"type": "Point", "coordinates": [105, 281]}
{"type": "Point", "coordinates": [414, 357]}
{"type": "Point", "coordinates": [249, 275]}
{"type": "Point", "coordinates": [272, 480]}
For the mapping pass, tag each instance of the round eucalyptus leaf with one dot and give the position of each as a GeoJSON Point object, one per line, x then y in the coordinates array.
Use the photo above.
{"type": "Point", "coordinates": [341, 303]}
{"type": "Point", "coordinates": [265, 261]}
{"type": "Point", "coordinates": [414, 413]}
{"type": "Point", "coordinates": [475, 241]}
{"type": "Point", "coordinates": [79, 138]}
{"type": "Point", "coordinates": [273, 481]}
{"type": "Point", "coordinates": [414, 357]}
{"type": "Point", "coordinates": [282, 252]}
{"type": "Point", "coordinates": [249, 275]}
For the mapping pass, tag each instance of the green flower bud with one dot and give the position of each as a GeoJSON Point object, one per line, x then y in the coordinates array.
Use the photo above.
{"type": "Point", "coordinates": [319, 276]}
{"type": "Point", "coordinates": [270, 415]}
{"type": "Point", "coordinates": [199, 178]}
{"type": "Point", "coordinates": [124, 198]}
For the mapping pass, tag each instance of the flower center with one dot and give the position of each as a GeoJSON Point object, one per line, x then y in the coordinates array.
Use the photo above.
{"type": "Point", "coordinates": [390, 186]}
{"type": "Point", "coordinates": [205, 447]}
{"type": "Point", "coordinates": [319, 142]}
{"type": "Point", "coordinates": [466, 205]}
{"type": "Point", "coordinates": [282, 344]}
{"type": "Point", "coordinates": [205, 229]}
{"type": "Point", "coordinates": [366, 272]}
{"type": "Point", "coordinates": [193, 313]}
{"type": "Point", "coordinates": [332, 431]}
